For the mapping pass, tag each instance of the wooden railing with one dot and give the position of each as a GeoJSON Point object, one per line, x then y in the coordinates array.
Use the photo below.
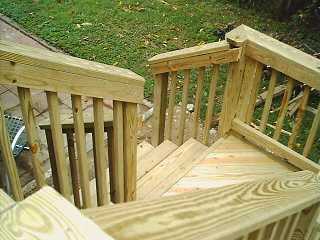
{"type": "Point", "coordinates": [193, 65]}
{"type": "Point", "coordinates": [28, 68]}
{"type": "Point", "coordinates": [282, 207]}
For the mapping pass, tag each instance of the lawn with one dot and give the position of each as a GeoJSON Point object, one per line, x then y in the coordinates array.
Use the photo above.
{"type": "Point", "coordinates": [127, 33]}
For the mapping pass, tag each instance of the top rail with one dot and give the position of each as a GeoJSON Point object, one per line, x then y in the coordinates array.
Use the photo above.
{"type": "Point", "coordinates": [280, 56]}
{"type": "Point", "coordinates": [29, 67]}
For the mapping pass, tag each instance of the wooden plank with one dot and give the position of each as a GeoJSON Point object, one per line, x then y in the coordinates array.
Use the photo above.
{"type": "Point", "coordinates": [294, 224]}
{"type": "Point", "coordinates": [147, 162]}
{"type": "Point", "coordinates": [7, 157]}
{"type": "Point", "coordinates": [197, 102]}
{"type": "Point", "coordinates": [58, 144]}
{"type": "Point", "coordinates": [222, 57]}
{"type": "Point", "coordinates": [130, 123]}
{"type": "Point", "coordinates": [100, 154]}
{"type": "Point", "coordinates": [81, 150]}
{"type": "Point", "coordinates": [275, 230]}
{"type": "Point", "coordinates": [190, 52]}
{"type": "Point", "coordinates": [217, 216]}
{"type": "Point", "coordinates": [280, 56]}
{"type": "Point", "coordinates": [231, 95]}
{"type": "Point", "coordinates": [21, 64]}
{"type": "Point", "coordinates": [144, 149]}
{"type": "Point", "coordinates": [160, 105]}
{"type": "Point", "coordinates": [47, 215]}
{"type": "Point", "coordinates": [111, 154]}
{"type": "Point", "coordinates": [182, 123]}
{"type": "Point", "coordinates": [5, 201]}
{"type": "Point", "coordinates": [212, 94]}
{"type": "Point", "coordinates": [117, 164]}
{"type": "Point", "coordinates": [298, 121]}
{"type": "Point", "coordinates": [285, 228]}
{"type": "Point", "coordinates": [277, 148]}
{"type": "Point", "coordinates": [74, 170]}
{"type": "Point", "coordinates": [283, 109]}
{"type": "Point", "coordinates": [172, 103]}
{"type": "Point", "coordinates": [33, 140]}
{"type": "Point", "coordinates": [312, 133]}
{"type": "Point", "coordinates": [268, 103]}
{"type": "Point", "coordinates": [171, 169]}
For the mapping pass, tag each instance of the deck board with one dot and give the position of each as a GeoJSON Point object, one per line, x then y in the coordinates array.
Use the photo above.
{"type": "Point", "coordinates": [232, 161]}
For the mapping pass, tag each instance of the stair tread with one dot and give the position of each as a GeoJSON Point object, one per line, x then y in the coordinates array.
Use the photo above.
{"type": "Point", "coordinates": [5, 201]}
{"type": "Point", "coordinates": [154, 157]}
{"type": "Point", "coordinates": [143, 149]}
{"type": "Point", "coordinates": [170, 170]}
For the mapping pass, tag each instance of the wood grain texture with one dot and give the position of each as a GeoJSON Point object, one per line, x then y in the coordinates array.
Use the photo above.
{"type": "Point", "coordinates": [5, 201]}
{"type": "Point", "coordinates": [58, 144]}
{"type": "Point", "coordinates": [47, 215]}
{"type": "Point", "coordinates": [33, 140]}
{"type": "Point", "coordinates": [160, 106]}
{"type": "Point", "coordinates": [172, 103]}
{"type": "Point", "coordinates": [117, 164]}
{"type": "Point", "coordinates": [211, 98]}
{"type": "Point", "coordinates": [20, 66]}
{"type": "Point", "coordinates": [268, 102]}
{"type": "Point", "coordinates": [130, 122]}
{"type": "Point", "coordinates": [79, 133]}
{"type": "Point", "coordinates": [207, 214]}
{"type": "Point", "coordinates": [100, 153]}
{"type": "Point", "coordinates": [197, 102]}
{"type": "Point", "coordinates": [265, 142]}
{"type": "Point", "coordinates": [7, 157]}
{"type": "Point", "coordinates": [185, 94]}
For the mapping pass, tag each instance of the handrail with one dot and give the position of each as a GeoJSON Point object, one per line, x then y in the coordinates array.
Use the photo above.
{"type": "Point", "coordinates": [30, 67]}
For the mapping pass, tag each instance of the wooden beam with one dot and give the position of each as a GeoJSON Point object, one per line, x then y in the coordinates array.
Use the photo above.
{"type": "Point", "coordinates": [197, 102]}
{"type": "Point", "coordinates": [269, 144]}
{"type": "Point", "coordinates": [172, 103]}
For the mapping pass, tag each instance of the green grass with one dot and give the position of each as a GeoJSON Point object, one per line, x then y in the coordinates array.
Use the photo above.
{"type": "Point", "coordinates": [127, 33]}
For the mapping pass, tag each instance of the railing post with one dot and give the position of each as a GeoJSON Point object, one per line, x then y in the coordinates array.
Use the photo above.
{"type": "Point", "coordinates": [160, 104]}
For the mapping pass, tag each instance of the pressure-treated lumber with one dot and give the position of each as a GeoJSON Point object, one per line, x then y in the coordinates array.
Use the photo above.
{"type": "Point", "coordinates": [117, 163]}
{"type": "Point", "coordinates": [5, 201]}
{"type": "Point", "coordinates": [182, 123]}
{"type": "Point", "coordinates": [279, 56]}
{"type": "Point", "coordinates": [47, 215]}
{"type": "Point", "coordinates": [210, 214]}
{"type": "Point", "coordinates": [212, 94]}
{"type": "Point", "coordinates": [160, 105]}
{"type": "Point", "coordinates": [100, 153]}
{"type": "Point", "coordinates": [275, 147]}
{"type": "Point", "coordinates": [312, 133]}
{"type": "Point", "coordinates": [283, 108]}
{"type": "Point", "coordinates": [81, 150]}
{"type": "Point", "coordinates": [20, 66]}
{"type": "Point", "coordinates": [57, 139]}
{"type": "Point", "coordinates": [172, 102]}
{"type": "Point", "coordinates": [33, 140]}
{"type": "Point", "coordinates": [170, 170]}
{"type": "Point", "coordinates": [7, 157]}
{"type": "Point", "coordinates": [269, 98]}
{"type": "Point", "coordinates": [298, 120]}
{"type": "Point", "coordinates": [197, 102]}
{"type": "Point", "coordinates": [130, 122]}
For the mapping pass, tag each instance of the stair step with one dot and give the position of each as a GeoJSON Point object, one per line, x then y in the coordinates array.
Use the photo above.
{"type": "Point", "coordinates": [5, 201]}
{"type": "Point", "coordinates": [170, 170]}
{"type": "Point", "coordinates": [143, 149]}
{"type": "Point", "coordinates": [154, 157]}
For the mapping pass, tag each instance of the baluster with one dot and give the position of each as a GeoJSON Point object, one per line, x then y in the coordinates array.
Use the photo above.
{"type": "Point", "coordinates": [117, 165]}
{"type": "Point", "coordinates": [312, 133]}
{"type": "Point", "coordinates": [283, 108]}
{"type": "Point", "coordinates": [184, 103]}
{"type": "Point", "coordinates": [57, 139]}
{"type": "Point", "coordinates": [172, 102]}
{"type": "Point", "coordinates": [294, 225]}
{"type": "Point", "coordinates": [100, 154]}
{"type": "Point", "coordinates": [299, 117]}
{"type": "Point", "coordinates": [212, 94]}
{"type": "Point", "coordinates": [110, 157]}
{"type": "Point", "coordinates": [33, 141]}
{"type": "Point", "coordinates": [284, 230]}
{"type": "Point", "coordinates": [130, 122]}
{"type": "Point", "coordinates": [160, 105]}
{"type": "Point", "coordinates": [80, 137]}
{"type": "Point", "coordinates": [8, 159]}
{"type": "Point", "coordinates": [197, 104]}
{"type": "Point", "coordinates": [268, 102]}
{"type": "Point", "coordinates": [261, 233]}
{"type": "Point", "coordinates": [274, 232]}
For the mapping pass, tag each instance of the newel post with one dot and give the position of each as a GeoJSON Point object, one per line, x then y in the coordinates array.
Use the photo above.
{"type": "Point", "coordinates": [160, 105]}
